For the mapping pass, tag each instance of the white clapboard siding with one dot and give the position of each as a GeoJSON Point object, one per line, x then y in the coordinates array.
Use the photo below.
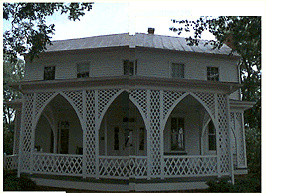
{"type": "Point", "coordinates": [151, 63]}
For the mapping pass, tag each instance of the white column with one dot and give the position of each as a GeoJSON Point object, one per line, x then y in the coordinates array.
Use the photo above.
{"type": "Point", "coordinates": [21, 136]}
{"type": "Point", "coordinates": [161, 134]}
{"type": "Point", "coordinates": [84, 133]}
{"type": "Point", "coordinates": [230, 134]}
{"type": "Point", "coordinates": [97, 129]}
{"type": "Point", "coordinates": [147, 126]}
{"type": "Point", "coordinates": [32, 133]}
{"type": "Point", "coordinates": [217, 135]}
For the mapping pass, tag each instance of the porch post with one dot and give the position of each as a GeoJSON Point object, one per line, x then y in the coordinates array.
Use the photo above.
{"type": "Point", "coordinates": [217, 135]}
{"type": "Point", "coordinates": [21, 136]}
{"type": "Point", "coordinates": [97, 129]}
{"type": "Point", "coordinates": [32, 133]}
{"type": "Point", "coordinates": [84, 134]}
{"type": "Point", "coordinates": [147, 125]}
{"type": "Point", "coordinates": [161, 134]}
{"type": "Point", "coordinates": [17, 131]}
{"type": "Point", "coordinates": [230, 141]}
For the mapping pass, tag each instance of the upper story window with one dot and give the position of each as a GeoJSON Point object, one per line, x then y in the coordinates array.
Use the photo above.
{"type": "Point", "coordinates": [213, 73]}
{"type": "Point", "coordinates": [82, 70]}
{"type": "Point", "coordinates": [49, 72]}
{"type": "Point", "coordinates": [130, 67]}
{"type": "Point", "coordinates": [212, 136]}
{"type": "Point", "coordinates": [177, 70]}
{"type": "Point", "coordinates": [177, 134]}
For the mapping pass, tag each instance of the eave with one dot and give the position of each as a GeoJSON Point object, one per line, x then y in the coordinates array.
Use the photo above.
{"type": "Point", "coordinates": [241, 105]}
{"type": "Point", "coordinates": [127, 82]}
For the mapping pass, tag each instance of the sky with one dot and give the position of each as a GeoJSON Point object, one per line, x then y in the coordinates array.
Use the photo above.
{"type": "Point", "coordinates": [136, 16]}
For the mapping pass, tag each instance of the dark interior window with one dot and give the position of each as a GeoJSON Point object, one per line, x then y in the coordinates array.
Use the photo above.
{"type": "Point", "coordinates": [49, 72]}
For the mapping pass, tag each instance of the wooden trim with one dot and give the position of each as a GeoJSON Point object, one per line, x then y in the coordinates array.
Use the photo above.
{"type": "Point", "coordinates": [127, 81]}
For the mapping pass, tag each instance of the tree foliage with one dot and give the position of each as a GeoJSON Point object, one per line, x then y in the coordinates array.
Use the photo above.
{"type": "Point", "coordinates": [29, 33]}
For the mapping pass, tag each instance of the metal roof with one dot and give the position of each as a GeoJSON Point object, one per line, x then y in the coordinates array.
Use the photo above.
{"type": "Point", "coordinates": [137, 40]}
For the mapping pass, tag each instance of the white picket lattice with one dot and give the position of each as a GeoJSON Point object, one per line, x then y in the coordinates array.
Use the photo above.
{"type": "Point", "coordinates": [154, 142]}
{"type": "Point", "coordinates": [169, 99]}
{"type": "Point", "coordinates": [123, 167]}
{"type": "Point", "coordinates": [223, 134]}
{"type": "Point", "coordinates": [190, 166]}
{"type": "Point", "coordinates": [139, 95]}
{"type": "Point", "coordinates": [241, 149]}
{"type": "Point", "coordinates": [208, 100]}
{"type": "Point", "coordinates": [26, 126]}
{"type": "Point", "coordinates": [10, 162]}
{"type": "Point", "coordinates": [58, 164]}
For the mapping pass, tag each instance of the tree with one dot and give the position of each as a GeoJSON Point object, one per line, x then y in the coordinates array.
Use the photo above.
{"type": "Point", "coordinates": [243, 35]}
{"type": "Point", "coordinates": [29, 33]}
{"type": "Point", "coordinates": [28, 36]}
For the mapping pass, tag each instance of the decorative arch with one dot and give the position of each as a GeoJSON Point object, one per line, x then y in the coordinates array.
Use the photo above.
{"type": "Point", "coordinates": [179, 100]}
{"type": "Point", "coordinates": [48, 101]}
{"type": "Point", "coordinates": [100, 119]}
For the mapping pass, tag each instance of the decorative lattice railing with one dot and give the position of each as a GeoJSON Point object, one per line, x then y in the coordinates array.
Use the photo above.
{"type": "Point", "coordinates": [58, 164]}
{"type": "Point", "coordinates": [190, 166]}
{"type": "Point", "coordinates": [10, 162]}
{"type": "Point", "coordinates": [122, 167]}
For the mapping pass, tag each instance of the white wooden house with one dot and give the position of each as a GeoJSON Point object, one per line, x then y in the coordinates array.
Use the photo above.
{"type": "Point", "coordinates": [145, 109]}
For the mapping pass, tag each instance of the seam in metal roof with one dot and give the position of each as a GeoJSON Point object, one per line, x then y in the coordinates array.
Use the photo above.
{"type": "Point", "coordinates": [137, 40]}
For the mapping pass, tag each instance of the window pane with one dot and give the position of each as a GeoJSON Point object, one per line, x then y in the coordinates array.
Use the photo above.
{"type": "Point", "coordinates": [178, 70]}
{"type": "Point", "coordinates": [49, 73]}
{"type": "Point", "coordinates": [116, 138]}
{"type": "Point", "coordinates": [212, 73]}
{"type": "Point", "coordinates": [212, 142]}
{"type": "Point", "coordinates": [82, 70]}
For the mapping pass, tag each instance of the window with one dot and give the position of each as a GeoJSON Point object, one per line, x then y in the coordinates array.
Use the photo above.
{"type": "Point", "coordinates": [49, 72]}
{"type": "Point", "coordinates": [130, 67]}
{"type": "Point", "coordinates": [141, 138]}
{"type": "Point", "coordinates": [213, 73]}
{"type": "Point", "coordinates": [177, 134]}
{"type": "Point", "coordinates": [82, 70]}
{"type": "Point", "coordinates": [212, 136]}
{"type": "Point", "coordinates": [178, 70]}
{"type": "Point", "coordinates": [116, 138]}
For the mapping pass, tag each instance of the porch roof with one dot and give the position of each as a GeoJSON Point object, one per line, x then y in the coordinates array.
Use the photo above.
{"type": "Point", "coordinates": [128, 82]}
{"type": "Point", "coordinates": [243, 105]}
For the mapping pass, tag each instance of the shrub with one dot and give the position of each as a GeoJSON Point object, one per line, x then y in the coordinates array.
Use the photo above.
{"type": "Point", "coordinates": [12, 182]}
{"type": "Point", "coordinates": [241, 185]}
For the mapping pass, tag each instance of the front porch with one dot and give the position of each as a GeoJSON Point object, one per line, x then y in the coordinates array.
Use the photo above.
{"type": "Point", "coordinates": [140, 133]}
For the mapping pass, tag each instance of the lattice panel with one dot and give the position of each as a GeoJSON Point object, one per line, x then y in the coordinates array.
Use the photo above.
{"type": "Point", "coordinates": [104, 98]}
{"type": "Point", "coordinates": [154, 133]}
{"type": "Point", "coordinates": [77, 99]}
{"type": "Point", "coordinates": [114, 167]}
{"type": "Point", "coordinates": [140, 167]}
{"type": "Point", "coordinates": [41, 99]}
{"type": "Point", "coordinates": [139, 95]}
{"type": "Point", "coordinates": [10, 162]}
{"type": "Point", "coordinates": [169, 98]}
{"type": "Point", "coordinates": [122, 167]}
{"type": "Point", "coordinates": [90, 133]}
{"type": "Point", "coordinates": [223, 133]}
{"type": "Point", "coordinates": [57, 164]}
{"type": "Point", "coordinates": [183, 166]}
{"type": "Point", "coordinates": [27, 131]}
{"type": "Point", "coordinates": [240, 140]}
{"type": "Point", "coordinates": [209, 100]}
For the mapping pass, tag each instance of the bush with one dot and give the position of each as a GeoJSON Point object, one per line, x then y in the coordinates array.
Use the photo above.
{"type": "Point", "coordinates": [12, 182]}
{"type": "Point", "coordinates": [241, 185]}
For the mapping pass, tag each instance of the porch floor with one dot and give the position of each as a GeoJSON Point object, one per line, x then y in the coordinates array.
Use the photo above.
{"type": "Point", "coordinates": [132, 184]}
